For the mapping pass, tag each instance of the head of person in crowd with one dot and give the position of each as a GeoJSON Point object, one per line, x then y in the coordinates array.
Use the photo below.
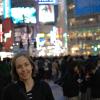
{"type": "Point", "coordinates": [47, 74]}
{"type": "Point", "coordinates": [98, 62]}
{"type": "Point", "coordinates": [22, 67]}
{"type": "Point", "coordinates": [47, 71]}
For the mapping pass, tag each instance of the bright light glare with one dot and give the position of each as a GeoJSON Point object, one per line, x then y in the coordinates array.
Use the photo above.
{"type": "Point", "coordinates": [21, 14]}
{"type": "Point", "coordinates": [6, 54]}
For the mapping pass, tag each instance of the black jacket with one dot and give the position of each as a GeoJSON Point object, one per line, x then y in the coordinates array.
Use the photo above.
{"type": "Point", "coordinates": [70, 85]}
{"type": "Point", "coordinates": [16, 91]}
{"type": "Point", "coordinates": [95, 84]}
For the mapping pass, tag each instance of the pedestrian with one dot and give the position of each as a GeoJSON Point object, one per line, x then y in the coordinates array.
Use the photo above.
{"type": "Point", "coordinates": [95, 82]}
{"type": "Point", "coordinates": [57, 90]}
{"type": "Point", "coordinates": [25, 86]}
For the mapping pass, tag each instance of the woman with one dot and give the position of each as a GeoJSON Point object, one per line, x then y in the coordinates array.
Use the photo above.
{"type": "Point", "coordinates": [57, 90]}
{"type": "Point", "coordinates": [25, 87]}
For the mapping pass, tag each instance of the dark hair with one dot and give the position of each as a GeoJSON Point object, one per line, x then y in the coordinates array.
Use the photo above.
{"type": "Point", "coordinates": [15, 76]}
{"type": "Point", "coordinates": [47, 73]}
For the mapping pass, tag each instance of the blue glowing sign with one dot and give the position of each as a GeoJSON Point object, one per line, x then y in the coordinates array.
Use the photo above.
{"type": "Point", "coordinates": [47, 1]}
{"type": "Point", "coordinates": [23, 15]}
{"type": "Point", "coordinates": [6, 8]}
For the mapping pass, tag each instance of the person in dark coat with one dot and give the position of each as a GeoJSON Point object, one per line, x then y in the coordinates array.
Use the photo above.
{"type": "Point", "coordinates": [24, 86]}
{"type": "Point", "coordinates": [47, 77]}
{"type": "Point", "coordinates": [5, 77]}
{"type": "Point", "coordinates": [70, 83]}
{"type": "Point", "coordinates": [95, 82]}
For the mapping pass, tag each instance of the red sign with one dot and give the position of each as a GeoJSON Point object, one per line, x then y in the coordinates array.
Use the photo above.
{"type": "Point", "coordinates": [8, 44]}
{"type": "Point", "coordinates": [7, 27]}
{"type": "Point", "coordinates": [1, 38]}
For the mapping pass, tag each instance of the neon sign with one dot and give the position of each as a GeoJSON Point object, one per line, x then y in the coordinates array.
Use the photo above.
{"type": "Point", "coordinates": [47, 1]}
{"type": "Point", "coordinates": [6, 8]}
{"type": "Point", "coordinates": [1, 33]}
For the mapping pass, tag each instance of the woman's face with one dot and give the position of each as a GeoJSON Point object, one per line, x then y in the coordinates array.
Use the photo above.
{"type": "Point", "coordinates": [23, 68]}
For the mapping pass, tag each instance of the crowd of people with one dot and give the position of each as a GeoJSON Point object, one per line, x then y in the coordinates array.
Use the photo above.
{"type": "Point", "coordinates": [50, 78]}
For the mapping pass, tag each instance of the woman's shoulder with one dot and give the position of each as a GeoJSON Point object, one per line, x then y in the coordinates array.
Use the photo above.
{"type": "Point", "coordinates": [11, 86]}
{"type": "Point", "coordinates": [42, 84]}
{"type": "Point", "coordinates": [8, 89]}
{"type": "Point", "coordinates": [45, 89]}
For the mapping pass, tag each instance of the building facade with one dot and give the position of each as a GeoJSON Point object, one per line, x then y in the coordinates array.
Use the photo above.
{"type": "Point", "coordinates": [83, 27]}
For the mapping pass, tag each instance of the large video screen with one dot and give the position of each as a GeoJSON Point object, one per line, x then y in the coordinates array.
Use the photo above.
{"type": "Point", "coordinates": [46, 13]}
{"type": "Point", "coordinates": [23, 15]}
{"type": "Point", "coordinates": [87, 7]}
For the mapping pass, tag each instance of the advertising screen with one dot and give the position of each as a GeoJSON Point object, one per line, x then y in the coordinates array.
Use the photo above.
{"type": "Point", "coordinates": [23, 15]}
{"type": "Point", "coordinates": [86, 7]}
{"type": "Point", "coordinates": [46, 13]}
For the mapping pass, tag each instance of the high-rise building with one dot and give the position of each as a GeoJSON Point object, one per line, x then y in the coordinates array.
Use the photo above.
{"type": "Point", "coordinates": [83, 26]}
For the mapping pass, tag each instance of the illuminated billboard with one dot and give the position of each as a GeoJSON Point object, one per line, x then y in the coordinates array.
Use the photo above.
{"type": "Point", "coordinates": [6, 8]}
{"type": "Point", "coordinates": [23, 15]}
{"type": "Point", "coordinates": [1, 8]}
{"type": "Point", "coordinates": [46, 13]}
{"type": "Point", "coordinates": [88, 7]}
